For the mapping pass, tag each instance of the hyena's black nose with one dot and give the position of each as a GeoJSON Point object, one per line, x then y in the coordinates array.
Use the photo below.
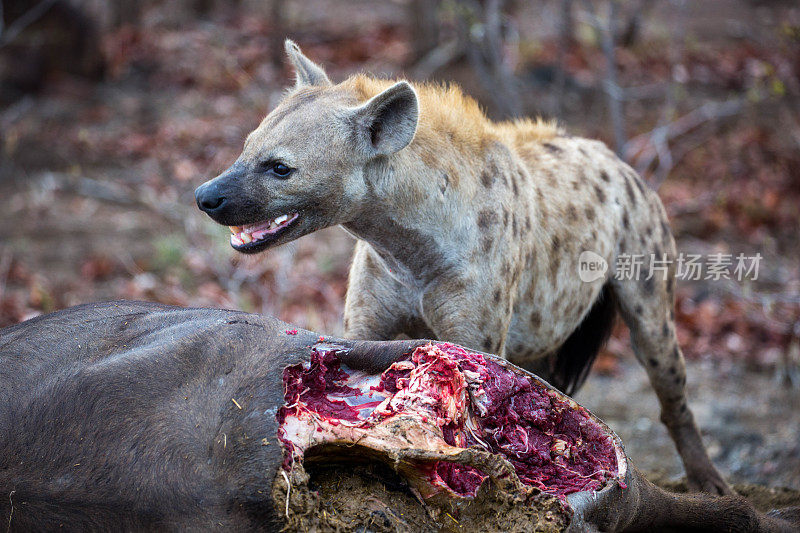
{"type": "Point", "coordinates": [209, 198]}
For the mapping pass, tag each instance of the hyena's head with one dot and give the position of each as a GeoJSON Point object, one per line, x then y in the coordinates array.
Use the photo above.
{"type": "Point", "coordinates": [306, 166]}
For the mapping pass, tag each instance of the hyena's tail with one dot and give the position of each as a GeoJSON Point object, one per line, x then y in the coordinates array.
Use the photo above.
{"type": "Point", "coordinates": [574, 358]}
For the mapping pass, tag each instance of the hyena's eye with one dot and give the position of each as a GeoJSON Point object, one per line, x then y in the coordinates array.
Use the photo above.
{"type": "Point", "coordinates": [276, 168]}
{"type": "Point", "coordinates": [281, 170]}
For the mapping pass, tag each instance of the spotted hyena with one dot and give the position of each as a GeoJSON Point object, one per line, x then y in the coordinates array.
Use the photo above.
{"type": "Point", "coordinates": [468, 230]}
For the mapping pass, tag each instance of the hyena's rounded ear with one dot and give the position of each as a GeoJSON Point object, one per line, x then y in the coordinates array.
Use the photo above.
{"type": "Point", "coordinates": [306, 71]}
{"type": "Point", "coordinates": [388, 121]}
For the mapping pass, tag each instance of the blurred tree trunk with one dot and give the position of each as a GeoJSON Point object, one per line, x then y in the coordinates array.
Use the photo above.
{"type": "Point", "coordinates": [481, 30]}
{"type": "Point", "coordinates": [606, 30]}
{"type": "Point", "coordinates": [206, 8]}
{"type": "Point", "coordinates": [423, 18]}
{"type": "Point", "coordinates": [277, 14]}
{"type": "Point", "coordinates": [632, 27]}
{"type": "Point", "coordinates": [126, 13]}
{"type": "Point", "coordinates": [566, 35]}
{"type": "Point", "coordinates": [201, 7]}
{"type": "Point", "coordinates": [44, 38]}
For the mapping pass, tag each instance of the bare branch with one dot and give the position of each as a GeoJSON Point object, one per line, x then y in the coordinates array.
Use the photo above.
{"type": "Point", "coordinates": [654, 144]}
{"type": "Point", "coordinates": [644, 92]}
{"type": "Point", "coordinates": [28, 18]}
{"type": "Point", "coordinates": [438, 58]}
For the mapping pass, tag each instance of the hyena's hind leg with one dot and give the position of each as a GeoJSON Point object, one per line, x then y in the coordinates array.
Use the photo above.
{"type": "Point", "coordinates": [647, 306]}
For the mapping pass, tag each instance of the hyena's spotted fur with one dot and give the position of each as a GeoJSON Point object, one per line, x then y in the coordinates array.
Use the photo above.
{"type": "Point", "coordinates": [470, 231]}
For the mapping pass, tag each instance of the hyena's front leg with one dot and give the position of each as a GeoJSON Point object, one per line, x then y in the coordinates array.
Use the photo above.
{"type": "Point", "coordinates": [647, 306]}
{"type": "Point", "coordinates": [467, 312]}
{"type": "Point", "coordinates": [376, 306]}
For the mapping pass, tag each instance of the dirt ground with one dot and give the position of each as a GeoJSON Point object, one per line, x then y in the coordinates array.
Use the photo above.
{"type": "Point", "coordinates": [750, 422]}
{"type": "Point", "coordinates": [372, 497]}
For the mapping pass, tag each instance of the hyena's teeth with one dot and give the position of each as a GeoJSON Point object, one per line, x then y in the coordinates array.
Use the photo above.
{"type": "Point", "coordinates": [250, 233]}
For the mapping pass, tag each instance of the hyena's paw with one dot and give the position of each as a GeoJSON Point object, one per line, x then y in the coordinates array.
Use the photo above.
{"type": "Point", "coordinates": [706, 478]}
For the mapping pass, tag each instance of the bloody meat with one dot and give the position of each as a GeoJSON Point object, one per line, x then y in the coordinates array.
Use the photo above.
{"type": "Point", "coordinates": [468, 400]}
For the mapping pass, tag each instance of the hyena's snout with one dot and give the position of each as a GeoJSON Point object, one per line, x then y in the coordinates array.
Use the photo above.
{"type": "Point", "coordinates": [236, 199]}
{"type": "Point", "coordinates": [223, 198]}
{"type": "Point", "coordinates": [210, 197]}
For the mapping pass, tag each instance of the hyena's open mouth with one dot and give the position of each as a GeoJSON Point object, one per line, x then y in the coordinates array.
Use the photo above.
{"type": "Point", "coordinates": [452, 423]}
{"type": "Point", "coordinates": [254, 237]}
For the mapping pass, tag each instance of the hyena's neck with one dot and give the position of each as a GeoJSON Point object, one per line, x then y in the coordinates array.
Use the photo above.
{"type": "Point", "coordinates": [409, 216]}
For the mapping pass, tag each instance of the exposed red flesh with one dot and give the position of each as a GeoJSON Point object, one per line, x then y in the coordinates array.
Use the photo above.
{"type": "Point", "coordinates": [552, 443]}
{"type": "Point", "coordinates": [318, 388]}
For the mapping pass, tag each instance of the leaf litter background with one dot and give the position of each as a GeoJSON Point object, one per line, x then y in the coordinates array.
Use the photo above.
{"type": "Point", "coordinates": [96, 182]}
